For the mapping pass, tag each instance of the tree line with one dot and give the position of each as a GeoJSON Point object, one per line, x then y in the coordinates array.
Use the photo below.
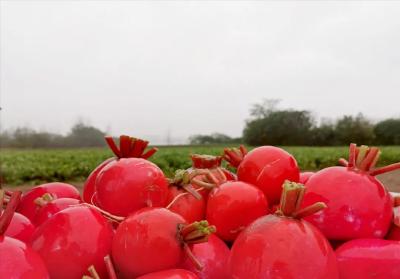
{"type": "Point", "coordinates": [80, 135]}
{"type": "Point", "coordinates": [269, 125]}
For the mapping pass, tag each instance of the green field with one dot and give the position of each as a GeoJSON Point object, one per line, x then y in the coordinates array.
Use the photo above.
{"type": "Point", "coordinates": [22, 166]}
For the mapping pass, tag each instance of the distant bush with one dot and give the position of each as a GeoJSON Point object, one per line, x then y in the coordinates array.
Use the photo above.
{"type": "Point", "coordinates": [215, 138]}
{"type": "Point", "coordinates": [271, 126]}
{"type": "Point", "coordinates": [81, 135]}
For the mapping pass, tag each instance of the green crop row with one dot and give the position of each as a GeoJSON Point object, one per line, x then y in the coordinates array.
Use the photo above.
{"type": "Point", "coordinates": [22, 166]}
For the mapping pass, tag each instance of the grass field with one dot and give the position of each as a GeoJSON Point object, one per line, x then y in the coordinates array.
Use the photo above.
{"type": "Point", "coordinates": [22, 166]}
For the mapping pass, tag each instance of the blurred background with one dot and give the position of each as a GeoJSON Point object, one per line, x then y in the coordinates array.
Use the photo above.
{"type": "Point", "coordinates": [193, 77]}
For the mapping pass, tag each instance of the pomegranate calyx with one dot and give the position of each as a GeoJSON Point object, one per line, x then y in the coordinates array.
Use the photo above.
{"type": "Point", "coordinates": [130, 147]}
{"type": "Point", "coordinates": [183, 179]}
{"type": "Point", "coordinates": [365, 158]}
{"type": "Point", "coordinates": [203, 161]}
{"type": "Point", "coordinates": [196, 232]}
{"type": "Point", "coordinates": [110, 267]}
{"type": "Point", "coordinates": [45, 199]}
{"type": "Point", "coordinates": [8, 213]}
{"type": "Point", "coordinates": [93, 272]}
{"type": "Point", "coordinates": [291, 199]}
{"type": "Point", "coordinates": [234, 156]}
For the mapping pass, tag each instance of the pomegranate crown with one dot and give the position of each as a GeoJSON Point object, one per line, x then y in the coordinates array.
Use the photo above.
{"type": "Point", "coordinates": [202, 161]}
{"type": "Point", "coordinates": [130, 147]}
{"type": "Point", "coordinates": [365, 158]}
{"type": "Point", "coordinates": [291, 199]}
{"type": "Point", "coordinates": [234, 156]}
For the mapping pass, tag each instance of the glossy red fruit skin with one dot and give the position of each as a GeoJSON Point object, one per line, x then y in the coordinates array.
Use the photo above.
{"type": "Point", "coordinates": [170, 274]}
{"type": "Point", "coordinates": [358, 204]}
{"type": "Point", "coordinates": [234, 205]}
{"type": "Point", "coordinates": [90, 184]}
{"type": "Point", "coordinates": [129, 184]}
{"type": "Point", "coordinates": [20, 228]}
{"type": "Point", "coordinates": [72, 240]}
{"type": "Point", "coordinates": [305, 176]}
{"type": "Point", "coordinates": [280, 247]}
{"type": "Point", "coordinates": [190, 208]}
{"type": "Point", "coordinates": [267, 167]}
{"type": "Point", "coordinates": [47, 211]}
{"type": "Point", "coordinates": [27, 206]}
{"type": "Point", "coordinates": [214, 256]}
{"type": "Point", "coordinates": [369, 258]}
{"type": "Point", "coordinates": [146, 242]}
{"type": "Point", "coordinates": [19, 261]}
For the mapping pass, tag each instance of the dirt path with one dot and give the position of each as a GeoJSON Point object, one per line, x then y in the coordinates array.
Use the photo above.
{"type": "Point", "coordinates": [390, 180]}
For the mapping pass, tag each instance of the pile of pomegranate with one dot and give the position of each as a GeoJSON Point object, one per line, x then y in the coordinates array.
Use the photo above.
{"type": "Point", "coordinates": [264, 220]}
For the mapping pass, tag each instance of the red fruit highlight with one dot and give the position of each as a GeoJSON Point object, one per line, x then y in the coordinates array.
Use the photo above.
{"type": "Point", "coordinates": [50, 207]}
{"type": "Point", "coordinates": [89, 188]}
{"type": "Point", "coordinates": [129, 184]}
{"type": "Point", "coordinates": [266, 167]}
{"type": "Point", "coordinates": [20, 228]}
{"type": "Point", "coordinates": [369, 258]}
{"type": "Point", "coordinates": [282, 246]}
{"type": "Point", "coordinates": [129, 147]}
{"type": "Point", "coordinates": [359, 206]}
{"type": "Point", "coordinates": [72, 240]}
{"type": "Point", "coordinates": [27, 205]}
{"type": "Point", "coordinates": [17, 259]}
{"type": "Point", "coordinates": [154, 239]}
{"type": "Point", "coordinates": [234, 205]}
{"type": "Point", "coordinates": [214, 256]}
{"type": "Point", "coordinates": [186, 205]}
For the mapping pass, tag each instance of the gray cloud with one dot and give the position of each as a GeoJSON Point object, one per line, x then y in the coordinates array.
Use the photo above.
{"type": "Point", "coordinates": [144, 68]}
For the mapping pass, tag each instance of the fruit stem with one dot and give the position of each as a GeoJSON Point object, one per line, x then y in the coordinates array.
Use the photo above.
{"type": "Point", "coordinates": [93, 272]}
{"type": "Point", "coordinates": [8, 213]}
{"type": "Point", "coordinates": [149, 153]}
{"type": "Point", "coordinates": [111, 143]}
{"type": "Point", "coordinates": [309, 210]}
{"type": "Point", "coordinates": [369, 158]}
{"type": "Point", "coordinates": [198, 265]}
{"type": "Point", "coordinates": [106, 214]}
{"type": "Point", "coordinates": [234, 156]}
{"type": "Point", "coordinates": [43, 200]}
{"type": "Point", "coordinates": [188, 188]}
{"type": "Point", "coordinates": [110, 267]}
{"type": "Point", "coordinates": [362, 151]}
{"type": "Point", "coordinates": [184, 179]}
{"type": "Point", "coordinates": [385, 169]}
{"type": "Point", "coordinates": [196, 232]}
{"type": "Point", "coordinates": [352, 155]}
{"type": "Point", "coordinates": [180, 196]}
{"type": "Point", "coordinates": [291, 199]}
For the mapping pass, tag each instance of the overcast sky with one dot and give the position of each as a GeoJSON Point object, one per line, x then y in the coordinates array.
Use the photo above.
{"type": "Point", "coordinates": [146, 68]}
